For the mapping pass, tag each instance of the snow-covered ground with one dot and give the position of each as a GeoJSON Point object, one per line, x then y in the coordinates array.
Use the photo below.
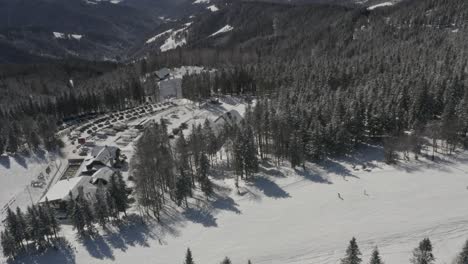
{"type": "Point", "coordinates": [224, 29]}
{"type": "Point", "coordinates": [385, 4]}
{"type": "Point", "coordinates": [59, 35]}
{"type": "Point", "coordinates": [175, 39]}
{"type": "Point", "coordinates": [213, 8]}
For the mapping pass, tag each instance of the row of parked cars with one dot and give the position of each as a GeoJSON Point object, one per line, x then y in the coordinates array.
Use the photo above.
{"type": "Point", "coordinates": [109, 124]}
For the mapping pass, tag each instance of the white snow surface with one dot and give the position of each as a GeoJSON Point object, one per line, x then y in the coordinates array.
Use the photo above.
{"type": "Point", "coordinates": [224, 29]}
{"type": "Point", "coordinates": [380, 5]}
{"type": "Point", "coordinates": [176, 39]}
{"type": "Point", "coordinates": [153, 39]}
{"type": "Point", "coordinates": [60, 35]}
{"type": "Point", "coordinates": [213, 8]}
{"type": "Point", "coordinates": [202, 2]}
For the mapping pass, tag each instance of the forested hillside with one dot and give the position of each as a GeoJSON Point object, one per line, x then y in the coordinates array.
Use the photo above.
{"type": "Point", "coordinates": [330, 77]}
{"type": "Point", "coordinates": [339, 75]}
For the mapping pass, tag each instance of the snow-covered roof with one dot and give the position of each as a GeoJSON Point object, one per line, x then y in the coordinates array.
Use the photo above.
{"type": "Point", "coordinates": [103, 154]}
{"type": "Point", "coordinates": [163, 73]}
{"type": "Point", "coordinates": [61, 190]}
{"type": "Point", "coordinates": [104, 173]}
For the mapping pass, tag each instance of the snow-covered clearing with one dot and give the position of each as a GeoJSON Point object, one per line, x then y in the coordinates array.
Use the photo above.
{"type": "Point", "coordinates": [153, 39]}
{"type": "Point", "coordinates": [380, 5]}
{"type": "Point", "coordinates": [224, 29]}
{"type": "Point", "coordinates": [176, 39]}
{"type": "Point", "coordinates": [59, 35]}
{"type": "Point", "coordinates": [202, 2]}
{"type": "Point", "coordinates": [213, 8]}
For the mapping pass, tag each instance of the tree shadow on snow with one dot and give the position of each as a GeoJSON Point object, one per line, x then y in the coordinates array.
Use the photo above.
{"type": "Point", "coordinates": [269, 170]}
{"type": "Point", "coordinates": [270, 188]}
{"type": "Point", "coordinates": [199, 216]}
{"type": "Point", "coordinates": [97, 247]}
{"type": "Point", "coordinates": [62, 253]}
{"type": "Point", "coordinates": [225, 203]}
{"type": "Point", "coordinates": [312, 176]}
{"type": "Point", "coordinates": [5, 161]}
{"type": "Point", "coordinates": [334, 167]}
{"type": "Point", "coordinates": [135, 232]}
{"type": "Point", "coordinates": [132, 231]}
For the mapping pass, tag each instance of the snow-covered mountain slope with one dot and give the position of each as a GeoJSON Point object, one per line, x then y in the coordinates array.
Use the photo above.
{"type": "Point", "coordinates": [110, 27]}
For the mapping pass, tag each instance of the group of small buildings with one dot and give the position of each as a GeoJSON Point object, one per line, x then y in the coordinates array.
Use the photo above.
{"type": "Point", "coordinates": [95, 170]}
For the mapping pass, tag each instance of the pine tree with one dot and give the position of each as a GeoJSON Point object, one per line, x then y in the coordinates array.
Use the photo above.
{"type": "Point", "coordinates": [423, 253]}
{"type": "Point", "coordinates": [8, 244]}
{"type": "Point", "coordinates": [249, 262]}
{"type": "Point", "coordinates": [54, 224]}
{"type": "Point", "coordinates": [188, 257]}
{"type": "Point", "coordinates": [77, 218]}
{"type": "Point", "coordinates": [118, 192]}
{"type": "Point", "coordinates": [70, 205]}
{"type": "Point", "coordinates": [13, 227]}
{"type": "Point", "coordinates": [463, 257]}
{"type": "Point", "coordinates": [182, 189]}
{"type": "Point", "coordinates": [44, 228]}
{"type": "Point", "coordinates": [226, 261]}
{"type": "Point", "coordinates": [206, 184]}
{"type": "Point", "coordinates": [13, 143]}
{"type": "Point", "coordinates": [375, 258]}
{"type": "Point", "coordinates": [22, 224]}
{"type": "Point", "coordinates": [251, 164]}
{"type": "Point", "coordinates": [87, 213]}
{"type": "Point", "coordinates": [101, 207]}
{"type": "Point", "coordinates": [352, 253]}
{"type": "Point", "coordinates": [34, 226]}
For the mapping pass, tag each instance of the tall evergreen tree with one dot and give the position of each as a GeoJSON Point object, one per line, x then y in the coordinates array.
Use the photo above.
{"type": "Point", "coordinates": [463, 257]}
{"type": "Point", "coordinates": [118, 192]}
{"type": "Point", "coordinates": [375, 258]}
{"type": "Point", "coordinates": [8, 244]}
{"type": "Point", "coordinates": [188, 257]}
{"type": "Point", "coordinates": [54, 224]}
{"type": "Point", "coordinates": [226, 260]}
{"type": "Point", "coordinates": [423, 253]}
{"type": "Point", "coordinates": [352, 253]}
{"type": "Point", "coordinates": [101, 206]}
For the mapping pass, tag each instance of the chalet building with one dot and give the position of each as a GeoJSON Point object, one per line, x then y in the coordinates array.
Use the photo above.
{"type": "Point", "coordinates": [102, 176]}
{"type": "Point", "coordinates": [101, 156]}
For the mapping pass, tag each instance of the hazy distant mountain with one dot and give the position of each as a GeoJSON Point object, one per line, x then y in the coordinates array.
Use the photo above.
{"type": "Point", "coordinates": [92, 29]}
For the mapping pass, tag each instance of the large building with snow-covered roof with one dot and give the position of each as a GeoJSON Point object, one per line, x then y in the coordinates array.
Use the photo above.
{"type": "Point", "coordinates": [59, 193]}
